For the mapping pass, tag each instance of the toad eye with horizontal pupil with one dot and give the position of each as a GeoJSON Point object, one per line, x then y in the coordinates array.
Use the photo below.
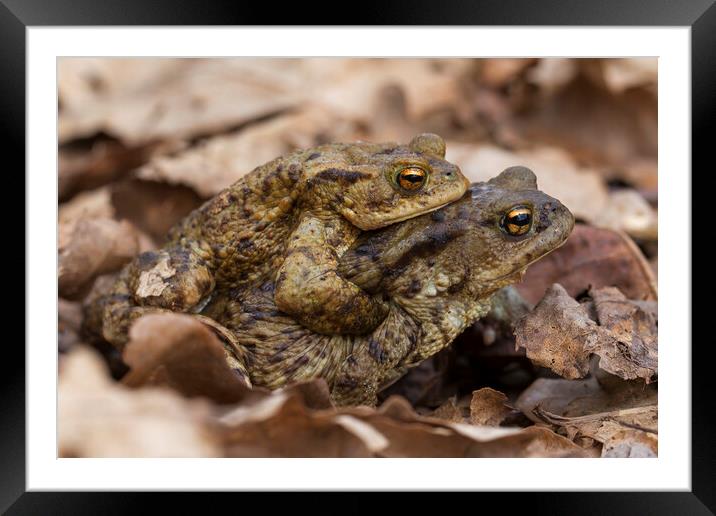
{"type": "Point", "coordinates": [517, 221]}
{"type": "Point", "coordinates": [412, 178]}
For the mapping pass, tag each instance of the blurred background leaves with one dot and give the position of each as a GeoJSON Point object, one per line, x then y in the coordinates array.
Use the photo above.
{"type": "Point", "coordinates": [142, 142]}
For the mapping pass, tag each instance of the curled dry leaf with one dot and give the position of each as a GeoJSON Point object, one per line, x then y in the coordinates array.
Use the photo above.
{"type": "Point", "coordinates": [633, 350]}
{"type": "Point", "coordinates": [298, 421]}
{"type": "Point", "coordinates": [561, 335]}
{"type": "Point", "coordinates": [557, 333]}
{"type": "Point", "coordinates": [281, 426]}
{"type": "Point", "coordinates": [100, 418]}
{"type": "Point", "coordinates": [90, 247]}
{"type": "Point", "coordinates": [180, 351]}
{"type": "Point", "coordinates": [592, 258]}
{"type": "Point", "coordinates": [581, 190]}
{"type": "Point", "coordinates": [411, 435]}
{"type": "Point", "coordinates": [94, 204]}
{"type": "Point", "coordinates": [488, 407]}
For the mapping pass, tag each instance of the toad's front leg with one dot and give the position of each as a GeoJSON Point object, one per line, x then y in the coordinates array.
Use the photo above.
{"type": "Point", "coordinates": [309, 289]}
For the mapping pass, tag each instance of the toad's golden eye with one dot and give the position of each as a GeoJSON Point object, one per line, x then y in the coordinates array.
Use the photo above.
{"type": "Point", "coordinates": [412, 178]}
{"type": "Point", "coordinates": [517, 221]}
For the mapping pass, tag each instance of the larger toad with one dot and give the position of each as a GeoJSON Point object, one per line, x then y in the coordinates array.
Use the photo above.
{"type": "Point", "coordinates": [288, 222]}
{"type": "Point", "coordinates": [437, 274]}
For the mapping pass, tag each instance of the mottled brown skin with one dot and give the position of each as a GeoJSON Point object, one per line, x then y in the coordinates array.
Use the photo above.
{"type": "Point", "coordinates": [436, 273]}
{"type": "Point", "coordinates": [287, 222]}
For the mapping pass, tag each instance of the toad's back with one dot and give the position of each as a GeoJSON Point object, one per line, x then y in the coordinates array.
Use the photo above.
{"type": "Point", "coordinates": [245, 229]}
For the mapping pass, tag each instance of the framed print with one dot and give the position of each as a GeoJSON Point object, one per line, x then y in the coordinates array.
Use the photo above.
{"type": "Point", "coordinates": [368, 256]}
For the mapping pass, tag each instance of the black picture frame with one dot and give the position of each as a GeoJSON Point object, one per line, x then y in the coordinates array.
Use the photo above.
{"type": "Point", "coordinates": [17, 15]}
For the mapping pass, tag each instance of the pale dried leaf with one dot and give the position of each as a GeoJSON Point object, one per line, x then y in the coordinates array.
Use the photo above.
{"type": "Point", "coordinates": [99, 418]}
{"type": "Point", "coordinates": [220, 161]}
{"type": "Point", "coordinates": [632, 72]}
{"type": "Point", "coordinates": [82, 81]}
{"type": "Point", "coordinates": [633, 351]}
{"type": "Point", "coordinates": [94, 204]}
{"type": "Point", "coordinates": [628, 211]}
{"type": "Point", "coordinates": [209, 96]}
{"type": "Point", "coordinates": [556, 333]}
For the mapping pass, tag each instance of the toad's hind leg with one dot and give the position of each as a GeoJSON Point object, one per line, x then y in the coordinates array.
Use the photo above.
{"type": "Point", "coordinates": [109, 315]}
{"type": "Point", "coordinates": [176, 279]}
{"type": "Point", "coordinates": [309, 289]}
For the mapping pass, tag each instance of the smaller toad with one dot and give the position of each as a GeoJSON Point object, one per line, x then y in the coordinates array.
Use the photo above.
{"type": "Point", "coordinates": [288, 222]}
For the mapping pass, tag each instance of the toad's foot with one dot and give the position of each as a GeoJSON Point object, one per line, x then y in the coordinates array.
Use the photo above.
{"type": "Point", "coordinates": [309, 289]}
